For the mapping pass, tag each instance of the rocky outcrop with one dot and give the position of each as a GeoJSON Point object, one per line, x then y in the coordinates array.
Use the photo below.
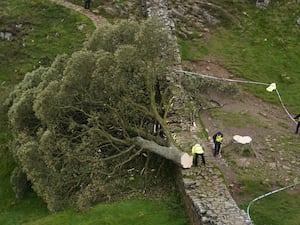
{"type": "Point", "coordinates": [6, 36]}
{"type": "Point", "coordinates": [262, 4]}
{"type": "Point", "coordinates": [194, 18]}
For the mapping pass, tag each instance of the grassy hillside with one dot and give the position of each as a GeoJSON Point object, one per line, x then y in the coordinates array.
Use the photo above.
{"type": "Point", "coordinates": [40, 31]}
{"type": "Point", "coordinates": [266, 47]}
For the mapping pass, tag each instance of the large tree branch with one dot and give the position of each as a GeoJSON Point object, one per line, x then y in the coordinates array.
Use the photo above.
{"type": "Point", "coordinates": [182, 159]}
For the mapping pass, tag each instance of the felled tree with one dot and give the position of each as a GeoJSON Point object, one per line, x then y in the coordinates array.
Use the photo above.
{"type": "Point", "coordinates": [78, 123]}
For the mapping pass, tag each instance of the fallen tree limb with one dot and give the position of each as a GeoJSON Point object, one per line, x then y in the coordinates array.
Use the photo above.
{"type": "Point", "coordinates": [182, 159]}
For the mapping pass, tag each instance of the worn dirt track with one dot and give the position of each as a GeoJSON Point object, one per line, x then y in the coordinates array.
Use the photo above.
{"type": "Point", "coordinates": [96, 19]}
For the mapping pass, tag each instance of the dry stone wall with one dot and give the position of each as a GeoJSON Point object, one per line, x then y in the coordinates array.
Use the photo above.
{"type": "Point", "coordinates": [205, 194]}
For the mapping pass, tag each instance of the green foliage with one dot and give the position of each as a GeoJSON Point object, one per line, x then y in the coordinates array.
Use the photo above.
{"type": "Point", "coordinates": [74, 123]}
{"type": "Point", "coordinates": [110, 37]}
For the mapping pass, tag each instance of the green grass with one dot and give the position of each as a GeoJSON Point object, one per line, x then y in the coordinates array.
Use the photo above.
{"type": "Point", "coordinates": [193, 50]}
{"type": "Point", "coordinates": [291, 143]}
{"type": "Point", "coordinates": [133, 212]}
{"type": "Point", "coordinates": [253, 188]}
{"type": "Point", "coordinates": [46, 31]}
{"type": "Point", "coordinates": [237, 119]}
{"type": "Point", "coordinates": [277, 209]}
{"type": "Point", "coordinates": [265, 49]}
{"type": "Point", "coordinates": [203, 134]}
{"type": "Point", "coordinates": [19, 212]}
{"type": "Point", "coordinates": [6, 164]}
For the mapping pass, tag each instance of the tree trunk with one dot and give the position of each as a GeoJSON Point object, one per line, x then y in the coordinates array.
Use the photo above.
{"type": "Point", "coordinates": [182, 159]}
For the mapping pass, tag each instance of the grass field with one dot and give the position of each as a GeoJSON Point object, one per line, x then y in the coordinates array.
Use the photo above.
{"type": "Point", "coordinates": [133, 212]}
{"type": "Point", "coordinates": [277, 209]}
{"type": "Point", "coordinates": [40, 32]}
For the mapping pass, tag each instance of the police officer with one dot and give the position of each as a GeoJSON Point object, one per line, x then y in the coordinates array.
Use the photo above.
{"type": "Point", "coordinates": [218, 139]}
{"type": "Point", "coordinates": [298, 125]}
{"type": "Point", "coordinates": [196, 151]}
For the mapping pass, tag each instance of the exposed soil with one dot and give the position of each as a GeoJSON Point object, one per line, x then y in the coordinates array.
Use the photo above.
{"type": "Point", "coordinates": [272, 158]}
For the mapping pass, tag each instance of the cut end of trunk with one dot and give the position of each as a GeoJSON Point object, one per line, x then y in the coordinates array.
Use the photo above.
{"type": "Point", "coordinates": [186, 161]}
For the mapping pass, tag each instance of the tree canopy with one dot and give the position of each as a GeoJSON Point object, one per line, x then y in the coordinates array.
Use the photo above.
{"type": "Point", "coordinates": [75, 124]}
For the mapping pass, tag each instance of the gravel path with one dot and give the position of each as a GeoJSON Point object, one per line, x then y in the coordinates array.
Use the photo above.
{"type": "Point", "coordinates": [96, 19]}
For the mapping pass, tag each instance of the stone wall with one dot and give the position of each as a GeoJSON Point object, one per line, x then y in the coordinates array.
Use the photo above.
{"type": "Point", "coordinates": [207, 199]}
{"type": "Point", "coordinates": [203, 189]}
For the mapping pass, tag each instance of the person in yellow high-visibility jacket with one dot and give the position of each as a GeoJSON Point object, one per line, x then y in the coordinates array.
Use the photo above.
{"type": "Point", "coordinates": [196, 151]}
{"type": "Point", "coordinates": [298, 125]}
{"type": "Point", "coordinates": [218, 139]}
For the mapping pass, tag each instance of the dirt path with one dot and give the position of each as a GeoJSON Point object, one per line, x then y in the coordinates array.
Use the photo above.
{"type": "Point", "coordinates": [96, 19]}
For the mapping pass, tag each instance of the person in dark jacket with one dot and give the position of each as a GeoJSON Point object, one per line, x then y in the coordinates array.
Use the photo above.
{"type": "Point", "coordinates": [87, 4]}
{"type": "Point", "coordinates": [298, 125]}
{"type": "Point", "coordinates": [218, 139]}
